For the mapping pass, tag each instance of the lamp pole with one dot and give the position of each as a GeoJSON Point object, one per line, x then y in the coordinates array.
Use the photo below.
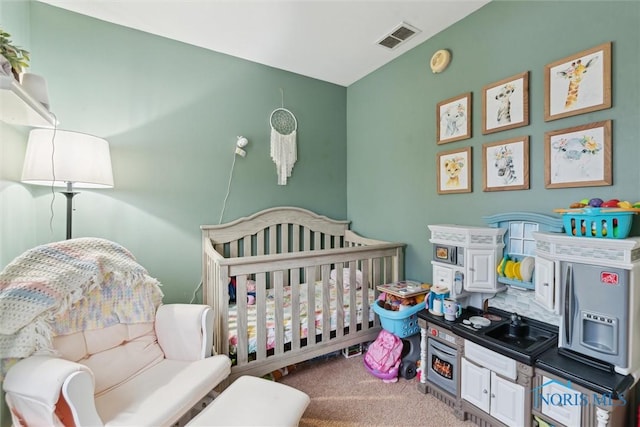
{"type": "Point", "coordinates": [69, 195]}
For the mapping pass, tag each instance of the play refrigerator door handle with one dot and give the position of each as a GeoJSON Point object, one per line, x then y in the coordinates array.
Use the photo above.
{"type": "Point", "coordinates": [485, 391]}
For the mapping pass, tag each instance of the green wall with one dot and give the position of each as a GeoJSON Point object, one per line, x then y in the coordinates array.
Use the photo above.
{"type": "Point", "coordinates": [391, 128]}
{"type": "Point", "coordinates": [171, 113]}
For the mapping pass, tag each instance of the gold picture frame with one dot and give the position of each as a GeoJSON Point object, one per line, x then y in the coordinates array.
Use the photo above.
{"type": "Point", "coordinates": [579, 156]}
{"type": "Point", "coordinates": [505, 165]}
{"type": "Point", "coordinates": [453, 119]}
{"type": "Point", "coordinates": [578, 84]}
{"type": "Point", "coordinates": [453, 171]}
{"type": "Point", "coordinates": [505, 104]}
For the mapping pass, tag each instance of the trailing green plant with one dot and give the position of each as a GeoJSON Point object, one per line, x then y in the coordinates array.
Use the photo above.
{"type": "Point", "coordinates": [17, 57]}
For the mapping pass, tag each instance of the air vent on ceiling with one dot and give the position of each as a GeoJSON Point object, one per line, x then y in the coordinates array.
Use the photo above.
{"type": "Point", "coordinates": [400, 34]}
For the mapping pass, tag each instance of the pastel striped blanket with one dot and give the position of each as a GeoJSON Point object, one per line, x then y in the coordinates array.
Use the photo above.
{"type": "Point", "coordinates": [303, 310]}
{"type": "Point", "coordinates": [67, 286]}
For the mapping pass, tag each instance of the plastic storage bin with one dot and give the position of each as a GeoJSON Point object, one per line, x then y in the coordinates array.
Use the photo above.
{"type": "Point", "coordinates": [402, 323]}
{"type": "Point", "coordinates": [598, 222]}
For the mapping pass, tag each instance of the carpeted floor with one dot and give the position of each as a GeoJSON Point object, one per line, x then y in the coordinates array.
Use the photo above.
{"type": "Point", "coordinates": [344, 394]}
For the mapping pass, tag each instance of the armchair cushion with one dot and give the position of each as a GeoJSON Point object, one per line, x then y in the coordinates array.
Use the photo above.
{"type": "Point", "coordinates": [161, 394]}
{"type": "Point", "coordinates": [114, 353]}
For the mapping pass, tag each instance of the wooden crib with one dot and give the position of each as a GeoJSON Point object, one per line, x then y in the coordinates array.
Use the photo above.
{"type": "Point", "coordinates": [293, 258]}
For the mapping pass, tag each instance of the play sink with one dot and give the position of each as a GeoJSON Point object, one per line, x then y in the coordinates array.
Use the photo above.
{"type": "Point", "coordinates": [533, 338]}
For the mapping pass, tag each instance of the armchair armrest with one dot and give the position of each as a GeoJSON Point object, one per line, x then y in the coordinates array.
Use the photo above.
{"type": "Point", "coordinates": [185, 331]}
{"type": "Point", "coordinates": [46, 390]}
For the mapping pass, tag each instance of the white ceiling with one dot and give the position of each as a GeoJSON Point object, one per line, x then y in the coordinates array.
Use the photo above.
{"type": "Point", "coordinates": [330, 40]}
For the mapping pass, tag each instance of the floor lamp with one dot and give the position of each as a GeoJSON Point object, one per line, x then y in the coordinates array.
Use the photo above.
{"type": "Point", "coordinates": [67, 159]}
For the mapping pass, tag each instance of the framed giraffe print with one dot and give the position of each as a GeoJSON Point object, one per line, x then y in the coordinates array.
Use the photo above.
{"type": "Point", "coordinates": [453, 171]}
{"type": "Point", "coordinates": [578, 84]}
{"type": "Point", "coordinates": [453, 119]}
{"type": "Point", "coordinates": [505, 104]}
{"type": "Point", "coordinates": [505, 165]}
{"type": "Point", "coordinates": [579, 156]}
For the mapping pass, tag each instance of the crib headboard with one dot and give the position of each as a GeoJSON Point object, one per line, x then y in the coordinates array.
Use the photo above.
{"type": "Point", "coordinates": [278, 230]}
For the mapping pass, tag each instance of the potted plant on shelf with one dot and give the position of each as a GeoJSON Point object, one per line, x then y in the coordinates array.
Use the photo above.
{"type": "Point", "coordinates": [17, 57]}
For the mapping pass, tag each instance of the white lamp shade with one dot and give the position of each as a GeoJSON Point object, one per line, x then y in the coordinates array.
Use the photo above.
{"type": "Point", "coordinates": [58, 157]}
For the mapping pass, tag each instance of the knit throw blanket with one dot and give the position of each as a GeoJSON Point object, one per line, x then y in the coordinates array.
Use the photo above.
{"type": "Point", "coordinates": [67, 286]}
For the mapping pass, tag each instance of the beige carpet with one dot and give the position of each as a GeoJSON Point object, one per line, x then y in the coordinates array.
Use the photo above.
{"type": "Point", "coordinates": [344, 394]}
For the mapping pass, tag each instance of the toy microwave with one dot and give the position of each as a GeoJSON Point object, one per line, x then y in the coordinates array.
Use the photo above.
{"type": "Point", "coordinates": [448, 254]}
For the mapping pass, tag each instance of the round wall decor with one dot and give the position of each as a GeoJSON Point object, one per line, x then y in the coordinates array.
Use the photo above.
{"type": "Point", "coordinates": [440, 60]}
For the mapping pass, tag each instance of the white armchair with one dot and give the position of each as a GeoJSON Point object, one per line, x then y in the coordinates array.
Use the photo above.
{"type": "Point", "coordinates": [130, 371]}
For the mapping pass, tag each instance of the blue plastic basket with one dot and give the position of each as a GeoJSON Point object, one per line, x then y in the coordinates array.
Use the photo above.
{"type": "Point", "coordinates": [403, 323]}
{"type": "Point", "coordinates": [598, 222]}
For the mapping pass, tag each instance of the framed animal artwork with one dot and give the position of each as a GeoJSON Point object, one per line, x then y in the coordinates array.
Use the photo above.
{"type": "Point", "coordinates": [578, 156]}
{"type": "Point", "coordinates": [453, 119]}
{"type": "Point", "coordinates": [505, 104]}
{"type": "Point", "coordinates": [505, 165]}
{"type": "Point", "coordinates": [453, 171]}
{"type": "Point", "coordinates": [578, 84]}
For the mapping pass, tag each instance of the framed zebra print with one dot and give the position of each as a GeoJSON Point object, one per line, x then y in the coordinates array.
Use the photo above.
{"type": "Point", "coordinates": [505, 165]}
{"type": "Point", "coordinates": [578, 84]}
{"type": "Point", "coordinates": [505, 104]}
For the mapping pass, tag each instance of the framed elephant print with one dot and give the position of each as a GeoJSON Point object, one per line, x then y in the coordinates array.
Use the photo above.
{"type": "Point", "coordinates": [453, 119]}
{"type": "Point", "coordinates": [579, 156]}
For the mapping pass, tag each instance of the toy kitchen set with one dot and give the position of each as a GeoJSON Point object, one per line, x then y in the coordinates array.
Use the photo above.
{"type": "Point", "coordinates": [529, 325]}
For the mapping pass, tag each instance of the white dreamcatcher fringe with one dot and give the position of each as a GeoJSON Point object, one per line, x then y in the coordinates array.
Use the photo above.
{"type": "Point", "coordinates": [284, 154]}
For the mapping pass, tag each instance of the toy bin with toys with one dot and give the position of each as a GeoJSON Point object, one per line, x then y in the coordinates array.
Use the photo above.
{"type": "Point", "coordinates": [607, 223]}
{"type": "Point", "coordinates": [398, 305]}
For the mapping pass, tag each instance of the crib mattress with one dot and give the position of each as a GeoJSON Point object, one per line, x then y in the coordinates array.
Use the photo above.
{"type": "Point", "coordinates": [304, 312]}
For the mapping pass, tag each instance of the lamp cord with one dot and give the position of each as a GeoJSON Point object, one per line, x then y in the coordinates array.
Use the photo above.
{"type": "Point", "coordinates": [53, 171]}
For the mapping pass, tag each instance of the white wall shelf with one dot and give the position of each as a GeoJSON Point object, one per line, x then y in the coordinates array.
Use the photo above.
{"type": "Point", "coordinates": [17, 107]}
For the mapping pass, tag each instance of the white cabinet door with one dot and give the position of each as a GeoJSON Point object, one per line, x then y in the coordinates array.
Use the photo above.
{"type": "Point", "coordinates": [545, 282]}
{"type": "Point", "coordinates": [555, 405]}
{"type": "Point", "coordinates": [507, 401]}
{"type": "Point", "coordinates": [442, 276]}
{"type": "Point", "coordinates": [481, 270]}
{"type": "Point", "coordinates": [475, 384]}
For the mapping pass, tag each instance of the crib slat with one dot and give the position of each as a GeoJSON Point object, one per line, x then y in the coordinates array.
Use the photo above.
{"type": "Point", "coordinates": [326, 304]}
{"type": "Point", "coordinates": [366, 286]}
{"type": "Point", "coordinates": [306, 236]}
{"type": "Point", "coordinates": [246, 245]}
{"type": "Point", "coordinates": [327, 241]}
{"type": "Point", "coordinates": [295, 238]}
{"type": "Point", "coordinates": [285, 248]}
{"type": "Point", "coordinates": [339, 287]}
{"type": "Point", "coordinates": [311, 306]}
{"type": "Point", "coordinates": [242, 350]}
{"type": "Point", "coordinates": [317, 242]}
{"type": "Point", "coordinates": [279, 311]}
{"type": "Point", "coordinates": [295, 314]}
{"type": "Point", "coordinates": [353, 302]}
{"type": "Point", "coordinates": [261, 314]}
{"type": "Point", "coordinates": [260, 242]}
{"type": "Point", "coordinates": [273, 239]}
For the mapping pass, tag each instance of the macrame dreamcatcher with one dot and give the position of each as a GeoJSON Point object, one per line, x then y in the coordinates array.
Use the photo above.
{"type": "Point", "coordinates": [284, 128]}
